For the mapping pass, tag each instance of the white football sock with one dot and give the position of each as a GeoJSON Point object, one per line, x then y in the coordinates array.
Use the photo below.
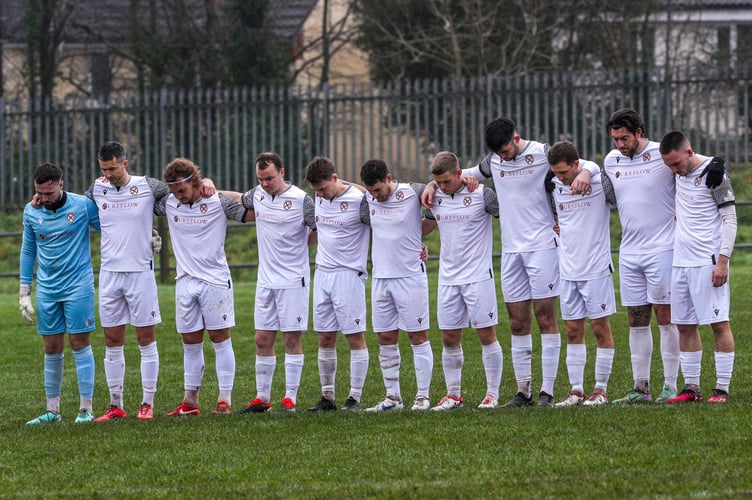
{"type": "Point", "coordinates": [452, 359]}
{"type": "Point", "coordinates": [114, 371]}
{"type": "Point", "coordinates": [225, 366]}
{"type": "Point", "coordinates": [493, 363]}
{"type": "Point", "coordinates": [522, 356]}
{"type": "Point", "coordinates": [327, 370]}
{"type": "Point", "coordinates": [149, 371]}
{"type": "Point", "coordinates": [265, 366]}
{"type": "Point", "coordinates": [390, 360]}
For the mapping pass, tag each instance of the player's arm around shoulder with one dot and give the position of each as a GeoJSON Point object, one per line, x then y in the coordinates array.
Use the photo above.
{"type": "Point", "coordinates": [233, 195]}
{"type": "Point", "coordinates": [491, 202]}
{"type": "Point", "coordinates": [158, 188]}
{"type": "Point", "coordinates": [92, 213]}
{"type": "Point", "coordinates": [309, 218]}
{"type": "Point", "coordinates": [428, 223]}
{"type": "Point", "coordinates": [234, 210]}
{"type": "Point", "coordinates": [359, 187]}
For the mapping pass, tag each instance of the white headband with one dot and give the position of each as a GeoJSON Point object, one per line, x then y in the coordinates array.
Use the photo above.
{"type": "Point", "coordinates": [180, 181]}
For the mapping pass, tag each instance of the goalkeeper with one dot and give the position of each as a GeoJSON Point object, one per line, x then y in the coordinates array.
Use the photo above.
{"type": "Point", "coordinates": [56, 237]}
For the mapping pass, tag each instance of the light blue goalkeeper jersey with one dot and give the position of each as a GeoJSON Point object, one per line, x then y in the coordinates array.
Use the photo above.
{"type": "Point", "coordinates": [59, 241]}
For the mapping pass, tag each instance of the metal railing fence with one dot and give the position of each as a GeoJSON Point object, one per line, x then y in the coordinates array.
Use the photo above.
{"type": "Point", "coordinates": [404, 123]}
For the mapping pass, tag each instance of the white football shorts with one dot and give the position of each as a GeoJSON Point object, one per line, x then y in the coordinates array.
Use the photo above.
{"type": "Point", "coordinates": [400, 304]}
{"type": "Point", "coordinates": [339, 301]}
{"type": "Point", "coordinates": [587, 299]}
{"type": "Point", "coordinates": [694, 299]}
{"type": "Point", "coordinates": [128, 298]}
{"type": "Point", "coordinates": [530, 275]}
{"type": "Point", "coordinates": [200, 305]}
{"type": "Point", "coordinates": [284, 310]}
{"type": "Point", "coordinates": [475, 303]}
{"type": "Point", "coordinates": [646, 278]}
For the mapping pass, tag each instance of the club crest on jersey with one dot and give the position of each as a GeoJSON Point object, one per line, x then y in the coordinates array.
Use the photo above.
{"type": "Point", "coordinates": [134, 190]}
{"type": "Point", "coordinates": [529, 159]}
{"type": "Point", "coordinates": [501, 173]}
{"type": "Point", "coordinates": [104, 206]}
{"type": "Point", "coordinates": [343, 206]}
{"type": "Point", "coordinates": [698, 180]}
{"type": "Point", "coordinates": [400, 195]}
{"type": "Point", "coordinates": [203, 208]}
{"type": "Point", "coordinates": [175, 219]}
{"type": "Point", "coordinates": [316, 219]}
{"type": "Point", "coordinates": [646, 157]}
{"type": "Point", "coordinates": [438, 217]}
{"type": "Point", "coordinates": [287, 205]}
{"type": "Point", "coordinates": [617, 174]}
{"type": "Point", "coordinates": [467, 201]}
{"type": "Point", "coordinates": [71, 217]}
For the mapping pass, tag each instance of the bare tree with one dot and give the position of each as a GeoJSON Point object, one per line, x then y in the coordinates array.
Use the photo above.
{"type": "Point", "coordinates": [45, 22]}
{"type": "Point", "coordinates": [458, 38]}
{"type": "Point", "coordinates": [331, 37]}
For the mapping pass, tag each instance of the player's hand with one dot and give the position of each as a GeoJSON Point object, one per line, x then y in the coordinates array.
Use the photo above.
{"type": "Point", "coordinates": [471, 183]}
{"type": "Point", "coordinates": [156, 241]}
{"type": "Point", "coordinates": [35, 201]}
{"type": "Point", "coordinates": [581, 183]}
{"type": "Point", "coordinates": [24, 303]}
{"type": "Point", "coordinates": [424, 253]}
{"type": "Point", "coordinates": [714, 172]}
{"type": "Point", "coordinates": [426, 199]}
{"type": "Point", "coordinates": [208, 188]}
{"type": "Point", "coordinates": [720, 272]}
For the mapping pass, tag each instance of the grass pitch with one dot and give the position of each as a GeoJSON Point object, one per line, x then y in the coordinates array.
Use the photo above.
{"type": "Point", "coordinates": [646, 451]}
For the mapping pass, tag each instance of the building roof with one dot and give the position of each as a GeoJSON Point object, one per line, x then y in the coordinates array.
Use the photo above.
{"type": "Point", "coordinates": [91, 20]}
{"type": "Point", "coordinates": [287, 16]}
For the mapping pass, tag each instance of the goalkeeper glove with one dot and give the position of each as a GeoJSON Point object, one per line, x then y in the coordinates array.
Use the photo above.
{"type": "Point", "coordinates": [24, 303]}
{"type": "Point", "coordinates": [156, 241]}
{"type": "Point", "coordinates": [714, 172]}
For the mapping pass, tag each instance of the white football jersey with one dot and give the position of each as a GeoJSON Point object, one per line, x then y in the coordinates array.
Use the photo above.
{"type": "Point", "coordinates": [464, 221]}
{"type": "Point", "coordinates": [585, 239]}
{"type": "Point", "coordinates": [343, 236]}
{"type": "Point", "coordinates": [197, 233]}
{"type": "Point", "coordinates": [282, 224]}
{"type": "Point", "coordinates": [525, 214]}
{"type": "Point", "coordinates": [397, 231]}
{"type": "Point", "coordinates": [126, 218]}
{"type": "Point", "coordinates": [698, 221]}
{"type": "Point", "coordinates": [644, 188]}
